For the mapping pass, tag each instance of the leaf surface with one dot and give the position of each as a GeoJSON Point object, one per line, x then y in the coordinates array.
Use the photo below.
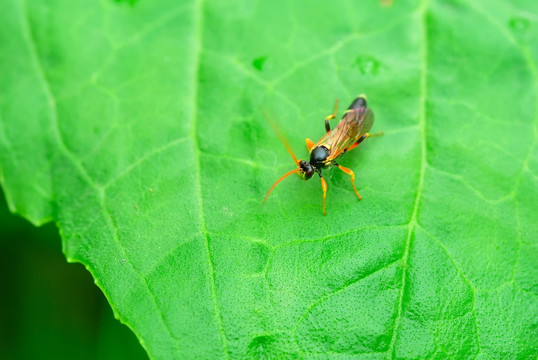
{"type": "Point", "coordinates": [136, 127]}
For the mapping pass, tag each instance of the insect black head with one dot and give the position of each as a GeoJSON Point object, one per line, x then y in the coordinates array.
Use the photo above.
{"type": "Point", "coordinates": [318, 156]}
{"type": "Point", "coordinates": [307, 170]}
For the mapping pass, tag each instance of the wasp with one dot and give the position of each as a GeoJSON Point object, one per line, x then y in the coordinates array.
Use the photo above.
{"type": "Point", "coordinates": [352, 130]}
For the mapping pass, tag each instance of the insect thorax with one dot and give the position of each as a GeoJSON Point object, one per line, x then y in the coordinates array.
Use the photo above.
{"type": "Point", "coordinates": [318, 156]}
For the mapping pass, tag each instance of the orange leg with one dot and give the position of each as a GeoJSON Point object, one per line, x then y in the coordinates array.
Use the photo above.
{"type": "Point", "coordinates": [309, 144]}
{"type": "Point", "coordinates": [353, 146]}
{"type": "Point", "coordinates": [362, 138]}
{"type": "Point", "coordinates": [332, 116]}
{"type": "Point", "coordinates": [324, 188]}
{"type": "Point", "coordinates": [349, 172]}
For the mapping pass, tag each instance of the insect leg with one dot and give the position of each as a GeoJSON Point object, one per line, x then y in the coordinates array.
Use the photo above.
{"type": "Point", "coordinates": [364, 137]}
{"type": "Point", "coordinates": [324, 188]}
{"type": "Point", "coordinates": [309, 144]}
{"type": "Point", "coordinates": [332, 116]}
{"type": "Point", "coordinates": [349, 172]}
{"type": "Point", "coordinates": [361, 139]}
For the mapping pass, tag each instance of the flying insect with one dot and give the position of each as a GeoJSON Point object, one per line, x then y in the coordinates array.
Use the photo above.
{"type": "Point", "coordinates": [352, 130]}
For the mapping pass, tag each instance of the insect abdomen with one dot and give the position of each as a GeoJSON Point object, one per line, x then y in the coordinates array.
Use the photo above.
{"type": "Point", "coordinates": [359, 102]}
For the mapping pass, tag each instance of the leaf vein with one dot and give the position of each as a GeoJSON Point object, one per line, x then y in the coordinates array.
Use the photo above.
{"type": "Point", "coordinates": [197, 54]}
{"type": "Point", "coordinates": [71, 156]}
{"type": "Point", "coordinates": [51, 102]}
{"type": "Point", "coordinates": [339, 290]}
{"type": "Point", "coordinates": [144, 158]}
{"type": "Point", "coordinates": [422, 12]}
{"type": "Point", "coordinates": [465, 279]}
{"type": "Point", "coordinates": [143, 279]}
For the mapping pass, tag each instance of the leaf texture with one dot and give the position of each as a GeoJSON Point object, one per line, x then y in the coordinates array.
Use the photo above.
{"type": "Point", "coordinates": [135, 126]}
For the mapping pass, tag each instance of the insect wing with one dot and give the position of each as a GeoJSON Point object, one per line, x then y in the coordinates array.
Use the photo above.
{"type": "Point", "coordinates": [339, 135]}
{"type": "Point", "coordinates": [367, 122]}
{"type": "Point", "coordinates": [354, 124]}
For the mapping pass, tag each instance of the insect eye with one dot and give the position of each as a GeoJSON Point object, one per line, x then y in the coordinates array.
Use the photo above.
{"type": "Point", "coordinates": [307, 170]}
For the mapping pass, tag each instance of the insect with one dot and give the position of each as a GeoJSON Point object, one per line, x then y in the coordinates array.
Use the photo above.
{"type": "Point", "coordinates": [353, 129]}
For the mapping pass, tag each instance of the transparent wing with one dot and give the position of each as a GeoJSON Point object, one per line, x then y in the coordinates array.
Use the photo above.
{"type": "Point", "coordinates": [353, 124]}
{"type": "Point", "coordinates": [367, 122]}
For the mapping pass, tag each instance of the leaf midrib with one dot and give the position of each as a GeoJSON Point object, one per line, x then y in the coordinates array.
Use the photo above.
{"type": "Point", "coordinates": [422, 13]}
{"type": "Point", "coordinates": [198, 22]}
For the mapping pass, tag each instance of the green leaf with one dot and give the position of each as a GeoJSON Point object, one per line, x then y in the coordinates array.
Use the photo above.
{"type": "Point", "coordinates": [136, 127]}
{"type": "Point", "coordinates": [51, 309]}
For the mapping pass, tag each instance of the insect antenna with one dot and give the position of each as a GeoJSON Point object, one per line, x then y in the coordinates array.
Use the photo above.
{"type": "Point", "coordinates": [288, 147]}
{"type": "Point", "coordinates": [281, 137]}
{"type": "Point", "coordinates": [279, 180]}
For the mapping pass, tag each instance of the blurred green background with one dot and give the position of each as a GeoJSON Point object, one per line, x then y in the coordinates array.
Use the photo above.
{"type": "Point", "coordinates": [50, 309]}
